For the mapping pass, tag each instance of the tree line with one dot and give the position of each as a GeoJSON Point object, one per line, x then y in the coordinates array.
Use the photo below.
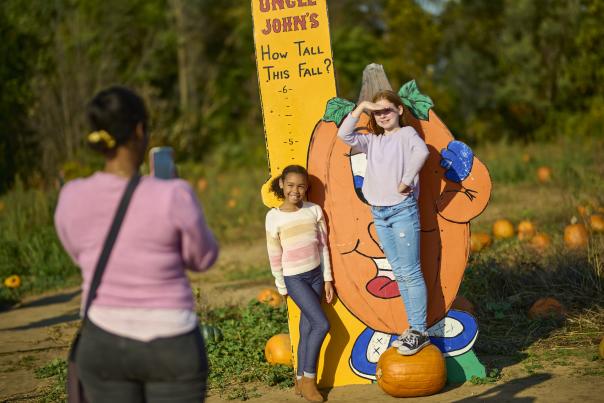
{"type": "Point", "coordinates": [519, 70]}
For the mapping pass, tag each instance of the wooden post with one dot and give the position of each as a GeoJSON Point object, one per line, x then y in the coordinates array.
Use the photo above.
{"type": "Point", "coordinates": [374, 80]}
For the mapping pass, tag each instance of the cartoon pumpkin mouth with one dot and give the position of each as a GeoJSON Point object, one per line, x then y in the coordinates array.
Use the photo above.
{"type": "Point", "coordinates": [383, 285]}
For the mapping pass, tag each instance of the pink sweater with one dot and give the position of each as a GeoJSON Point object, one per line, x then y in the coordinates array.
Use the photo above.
{"type": "Point", "coordinates": [163, 232]}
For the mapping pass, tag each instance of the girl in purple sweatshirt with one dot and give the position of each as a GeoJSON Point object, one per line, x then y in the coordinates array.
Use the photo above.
{"type": "Point", "coordinates": [395, 155]}
{"type": "Point", "coordinates": [141, 340]}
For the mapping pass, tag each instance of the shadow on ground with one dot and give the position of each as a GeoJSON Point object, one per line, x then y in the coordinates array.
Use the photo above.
{"type": "Point", "coordinates": [50, 300]}
{"type": "Point", "coordinates": [508, 391]}
{"type": "Point", "coordinates": [67, 317]}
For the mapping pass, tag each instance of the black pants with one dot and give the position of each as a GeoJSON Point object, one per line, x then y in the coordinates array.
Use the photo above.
{"type": "Point", "coordinates": [118, 369]}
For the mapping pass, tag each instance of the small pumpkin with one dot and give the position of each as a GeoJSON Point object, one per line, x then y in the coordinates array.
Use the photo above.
{"type": "Point", "coordinates": [211, 334]}
{"type": "Point", "coordinates": [526, 158]}
{"type": "Point", "coordinates": [583, 210]}
{"type": "Point", "coordinates": [602, 348]}
{"type": "Point", "coordinates": [479, 241]}
{"type": "Point", "coordinates": [232, 203]}
{"type": "Point", "coordinates": [461, 303]}
{"type": "Point", "coordinates": [2, 206]}
{"type": "Point", "coordinates": [545, 307]}
{"type": "Point", "coordinates": [270, 296]}
{"type": "Point", "coordinates": [575, 236]}
{"type": "Point", "coordinates": [202, 185]}
{"type": "Point", "coordinates": [541, 241]}
{"type": "Point", "coordinates": [422, 374]}
{"type": "Point", "coordinates": [544, 174]}
{"type": "Point", "coordinates": [13, 281]}
{"type": "Point", "coordinates": [278, 350]}
{"type": "Point", "coordinates": [596, 222]}
{"type": "Point", "coordinates": [526, 230]}
{"type": "Point", "coordinates": [503, 228]}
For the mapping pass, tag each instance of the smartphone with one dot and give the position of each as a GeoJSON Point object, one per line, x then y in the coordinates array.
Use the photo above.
{"type": "Point", "coordinates": [161, 160]}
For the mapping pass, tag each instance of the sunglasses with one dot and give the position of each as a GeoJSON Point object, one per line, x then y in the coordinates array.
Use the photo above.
{"type": "Point", "coordinates": [384, 112]}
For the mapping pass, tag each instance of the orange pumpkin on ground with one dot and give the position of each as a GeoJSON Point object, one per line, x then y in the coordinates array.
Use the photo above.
{"type": "Point", "coordinates": [583, 210]}
{"type": "Point", "coordinates": [479, 241]}
{"type": "Point", "coordinates": [545, 307]}
{"type": "Point", "coordinates": [526, 158]}
{"type": "Point", "coordinates": [463, 304]}
{"type": "Point", "coordinates": [602, 348]}
{"type": "Point", "coordinates": [270, 296]}
{"type": "Point", "coordinates": [13, 281]}
{"type": "Point", "coordinates": [2, 206]}
{"type": "Point", "coordinates": [596, 222]}
{"type": "Point", "coordinates": [544, 174]}
{"type": "Point", "coordinates": [526, 230]}
{"type": "Point", "coordinates": [422, 374]}
{"type": "Point", "coordinates": [575, 236]}
{"type": "Point", "coordinates": [503, 228]}
{"type": "Point", "coordinates": [278, 350]}
{"type": "Point", "coordinates": [541, 241]}
{"type": "Point", "coordinates": [202, 185]}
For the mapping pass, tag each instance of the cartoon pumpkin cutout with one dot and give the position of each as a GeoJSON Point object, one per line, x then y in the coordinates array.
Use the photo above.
{"type": "Point", "coordinates": [454, 188]}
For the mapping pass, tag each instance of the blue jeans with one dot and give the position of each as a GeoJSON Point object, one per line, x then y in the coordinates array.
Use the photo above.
{"type": "Point", "coordinates": [398, 228]}
{"type": "Point", "coordinates": [306, 290]}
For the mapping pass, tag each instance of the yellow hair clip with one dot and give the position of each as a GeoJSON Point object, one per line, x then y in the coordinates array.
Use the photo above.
{"type": "Point", "coordinates": [103, 136]}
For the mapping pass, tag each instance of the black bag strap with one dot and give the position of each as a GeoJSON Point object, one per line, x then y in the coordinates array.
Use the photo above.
{"type": "Point", "coordinates": [110, 241]}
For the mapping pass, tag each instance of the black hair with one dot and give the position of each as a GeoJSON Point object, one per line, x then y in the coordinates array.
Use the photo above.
{"type": "Point", "coordinates": [290, 169]}
{"type": "Point", "coordinates": [116, 110]}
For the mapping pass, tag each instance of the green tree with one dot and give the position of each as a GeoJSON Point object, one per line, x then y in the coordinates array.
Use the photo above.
{"type": "Point", "coordinates": [17, 147]}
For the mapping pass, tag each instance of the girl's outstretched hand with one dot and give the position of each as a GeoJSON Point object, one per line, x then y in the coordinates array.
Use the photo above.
{"type": "Point", "coordinates": [329, 292]}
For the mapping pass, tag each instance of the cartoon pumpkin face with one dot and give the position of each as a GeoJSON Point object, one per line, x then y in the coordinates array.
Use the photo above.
{"type": "Point", "coordinates": [364, 280]}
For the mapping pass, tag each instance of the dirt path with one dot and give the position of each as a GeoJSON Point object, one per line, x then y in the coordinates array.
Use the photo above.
{"type": "Point", "coordinates": [41, 328]}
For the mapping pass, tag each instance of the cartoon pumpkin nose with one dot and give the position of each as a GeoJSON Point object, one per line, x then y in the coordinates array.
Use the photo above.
{"type": "Point", "coordinates": [457, 159]}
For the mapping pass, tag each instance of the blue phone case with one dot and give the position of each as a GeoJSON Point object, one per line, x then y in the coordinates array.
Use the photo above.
{"type": "Point", "coordinates": [163, 163]}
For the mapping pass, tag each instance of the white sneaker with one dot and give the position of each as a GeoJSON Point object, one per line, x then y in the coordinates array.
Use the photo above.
{"type": "Point", "coordinates": [399, 340]}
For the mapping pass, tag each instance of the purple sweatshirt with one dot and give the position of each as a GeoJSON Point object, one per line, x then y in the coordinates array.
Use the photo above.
{"type": "Point", "coordinates": [163, 232]}
{"type": "Point", "coordinates": [392, 159]}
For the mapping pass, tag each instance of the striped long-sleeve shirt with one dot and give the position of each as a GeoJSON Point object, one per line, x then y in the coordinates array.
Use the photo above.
{"type": "Point", "coordinates": [297, 243]}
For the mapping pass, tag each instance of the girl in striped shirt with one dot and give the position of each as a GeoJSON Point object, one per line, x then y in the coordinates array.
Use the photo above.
{"type": "Point", "coordinates": [296, 237]}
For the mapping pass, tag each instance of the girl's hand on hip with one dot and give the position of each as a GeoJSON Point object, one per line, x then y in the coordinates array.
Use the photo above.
{"type": "Point", "coordinates": [404, 189]}
{"type": "Point", "coordinates": [329, 292]}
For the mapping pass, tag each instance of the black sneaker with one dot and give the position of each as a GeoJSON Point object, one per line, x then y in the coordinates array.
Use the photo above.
{"type": "Point", "coordinates": [399, 340]}
{"type": "Point", "coordinates": [413, 342]}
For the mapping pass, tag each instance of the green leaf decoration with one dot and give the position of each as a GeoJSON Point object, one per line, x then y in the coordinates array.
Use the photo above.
{"type": "Point", "coordinates": [337, 109]}
{"type": "Point", "coordinates": [418, 103]}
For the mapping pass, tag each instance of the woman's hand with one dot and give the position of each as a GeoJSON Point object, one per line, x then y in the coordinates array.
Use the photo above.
{"type": "Point", "coordinates": [329, 292]}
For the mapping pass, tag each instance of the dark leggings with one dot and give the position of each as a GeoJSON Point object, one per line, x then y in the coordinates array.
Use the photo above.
{"type": "Point", "coordinates": [306, 290]}
{"type": "Point", "coordinates": [116, 369]}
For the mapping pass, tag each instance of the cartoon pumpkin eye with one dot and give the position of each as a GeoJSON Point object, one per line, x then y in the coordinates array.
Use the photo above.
{"type": "Point", "coordinates": [358, 163]}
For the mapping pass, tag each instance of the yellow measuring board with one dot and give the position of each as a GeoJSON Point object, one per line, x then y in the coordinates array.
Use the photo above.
{"type": "Point", "coordinates": [295, 75]}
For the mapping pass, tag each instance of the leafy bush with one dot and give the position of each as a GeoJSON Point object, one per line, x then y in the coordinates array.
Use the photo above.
{"type": "Point", "coordinates": [29, 246]}
{"type": "Point", "coordinates": [238, 360]}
